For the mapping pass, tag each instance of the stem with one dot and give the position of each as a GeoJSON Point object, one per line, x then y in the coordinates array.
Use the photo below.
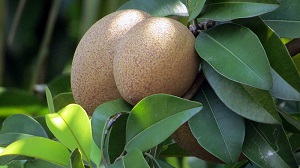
{"type": "Point", "coordinates": [2, 25]}
{"type": "Point", "coordinates": [16, 21]}
{"type": "Point", "coordinates": [195, 87]}
{"type": "Point", "coordinates": [293, 47]}
{"type": "Point", "coordinates": [44, 48]}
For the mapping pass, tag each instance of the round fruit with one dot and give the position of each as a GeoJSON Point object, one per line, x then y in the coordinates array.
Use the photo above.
{"type": "Point", "coordinates": [155, 56]}
{"type": "Point", "coordinates": [92, 79]}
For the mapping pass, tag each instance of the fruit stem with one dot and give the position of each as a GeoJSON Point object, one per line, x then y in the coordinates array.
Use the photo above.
{"type": "Point", "coordinates": [293, 47]}
{"type": "Point", "coordinates": [195, 86]}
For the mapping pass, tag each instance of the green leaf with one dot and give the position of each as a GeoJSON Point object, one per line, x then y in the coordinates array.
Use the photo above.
{"type": "Point", "coordinates": [217, 125]}
{"type": "Point", "coordinates": [286, 78]}
{"type": "Point", "coordinates": [295, 143]}
{"type": "Point", "coordinates": [235, 52]}
{"type": "Point", "coordinates": [71, 126]}
{"type": "Point", "coordinates": [155, 118]}
{"type": "Point", "coordinates": [251, 103]}
{"type": "Point", "coordinates": [49, 100]}
{"type": "Point", "coordinates": [101, 116]}
{"type": "Point", "coordinates": [267, 146]}
{"type": "Point", "coordinates": [173, 150]}
{"type": "Point", "coordinates": [62, 100]}
{"type": "Point", "coordinates": [224, 10]}
{"type": "Point", "coordinates": [13, 101]}
{"type": "Point", "coordinates": [60, 84]}
{"type": "Point", "coordinates": [19, 126]}
{"type": "Point", "coordinates": [194, 8]}
{"type": "Point", "coordinates": [163, 164]}
{"type": "Point", "coordinates": [158, 7]}
{"type": "Point", "coordinates": [41, 148]}
{"type": "Point", "coordinates": [285, 20]}
{"type": "Point", "coordinates": [41, 163]}
{"type": "Point", "coordinates": [117, 138]}
{"type": "Point", "coordinates": [76, 159]}
{"type": "Point", "coordinates": [289, 122]}
{"type": "Point", "coordinates": [133, 158]}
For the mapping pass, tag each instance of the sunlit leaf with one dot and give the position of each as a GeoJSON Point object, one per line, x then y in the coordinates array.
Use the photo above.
{"type": "Point", "coordinates": [158, 7]}
{"type": "Point", "coordinates": [19, 126]}
{"type": "Point", "coordinates": [224, 10]}
{"type": "Point", "coordinates": [217, 125]}
{"type": "Point", "coordinates": [194, 8]}
{"type": "Point", "coordinates": [235, 52]}
{"type": "Point", "coordinates": [76, 159]}
{"type": "Point", "coordinates": [133, 158]}
{"type": "Point", "coordinates": [71, 126]}
{"type": "Point", "coordinates": [101, 116]}
{"type": "Point", "coordinates": [41, 148]}
{"type": "Point", "coordinates": [285, 20]}
{"type": "Point", "coordinates": [155, 118]}
{"type": "Point", "coordinates": [267, 146]}
{"type": "Point", "coordinates": [62, 100]}
{"type": "Point", "coordinates": [49, 100]}
{"type": "Point", "coordinates": [251, 103]}
{"type": "Point", "coordinates": [286, 78]}
{"type": "Point", "coordinates": [13, 101]}
{"type": "Point", "coordinates": [95, 154]}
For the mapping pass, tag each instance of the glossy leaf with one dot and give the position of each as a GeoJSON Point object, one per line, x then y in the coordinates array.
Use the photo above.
{"type": "Point", "coordinates": [19, 126]}
{"type": "Point", "coordinates": [295, 143]}
{"type": "Point", "coordinates": [76, 159]}
{"type": "Point", "coordinates": [194, 8]}
{"type": "Point", "coordinates": [217, 125]}
{"type": "Point", "coordinates": [158, 7]}
{"type": "Point", "coordinates": [286, 78]}
{"type": "Point", "coordinates": [117, 138]}
{"type": "Point", "coordinates": [101, 116]}
{"type": "Point", "coordinates": [224, 10]}
{"type": "Point", "coordinates": [13, 101]}
{"type": "Point", "coordinates": [41, 163]}
{"type": "Point", "coordinates": [267, 146]}
{"type": "Point", "coordinates": [133, 158]}
{"type": "Point", "coordinates": [96, 154]}
{"type": "Point", "coordinates": [285, 20]}
{"type": "Point", "coordinates": [71, 126]}
{"type": "Point", "coordinates": [60, 84]}
{"type": "Point", "coordinates": [62, 100]}
{"type": "Point", "coordinates": [289, 122]}
{"type": "Point", "coordinates": [155, 118]}
{"type": "Point", "coordinates": [40, 148]}
{"type": "Point", "coordinates": [221, 48]}
{"type": "Point", "coordinates": [49, 100]}
{"type": "Point", "coordinates": [251, 103]}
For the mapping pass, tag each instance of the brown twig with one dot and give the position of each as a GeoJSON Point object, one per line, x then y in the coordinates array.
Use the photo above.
{"type": "Point", "coordinates": [293, 47]}
{"type": "Point", "coordinates": [196, 85]}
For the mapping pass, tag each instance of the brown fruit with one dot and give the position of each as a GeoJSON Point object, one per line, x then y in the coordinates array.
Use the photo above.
{"type": "Point", "coordinates": [155, 56]}
{"type": "Point", "coordinates": [92, 79]}
{"type": "Point", "coordinates": [185, 139]}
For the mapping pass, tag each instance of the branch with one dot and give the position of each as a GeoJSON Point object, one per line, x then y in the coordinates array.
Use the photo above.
{"type": "Point", "coordinates": [196, 85]}
{"type": "Point", "coordinates": [293, 47]}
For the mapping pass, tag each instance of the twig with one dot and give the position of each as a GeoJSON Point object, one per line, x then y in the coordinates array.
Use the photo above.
{"type": "Point", "coordinates": [196, 85]}
{"type": "Point", "coordinates": [43, 50]}
{"type": "Point", "coordinates": [294, 47]}
{"type": "Point", "coordinates": [16, 21]}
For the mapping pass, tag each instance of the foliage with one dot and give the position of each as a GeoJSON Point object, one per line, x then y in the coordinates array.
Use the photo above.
{"type": "Point", "coordinates": [249, 103]}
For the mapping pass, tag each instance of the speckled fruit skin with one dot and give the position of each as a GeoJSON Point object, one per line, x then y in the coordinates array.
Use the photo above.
{"type": "Point", "coordinates": [155, 56]}
{"type": "Point", "coordinates": [92, 79]}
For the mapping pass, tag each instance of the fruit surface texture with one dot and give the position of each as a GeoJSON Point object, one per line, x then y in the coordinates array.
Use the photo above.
{"type": "Point", "coordinates": [155, 56]}
{"type": "Point", "coordinates": [92, 79]}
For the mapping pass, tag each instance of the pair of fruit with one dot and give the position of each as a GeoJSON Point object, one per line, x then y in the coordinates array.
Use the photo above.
{"type": "Point", "coordinates": [132, 55]}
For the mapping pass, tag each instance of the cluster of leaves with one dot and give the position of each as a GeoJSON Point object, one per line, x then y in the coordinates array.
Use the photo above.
{"type": "Point", "coordinates": [247, 68]}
